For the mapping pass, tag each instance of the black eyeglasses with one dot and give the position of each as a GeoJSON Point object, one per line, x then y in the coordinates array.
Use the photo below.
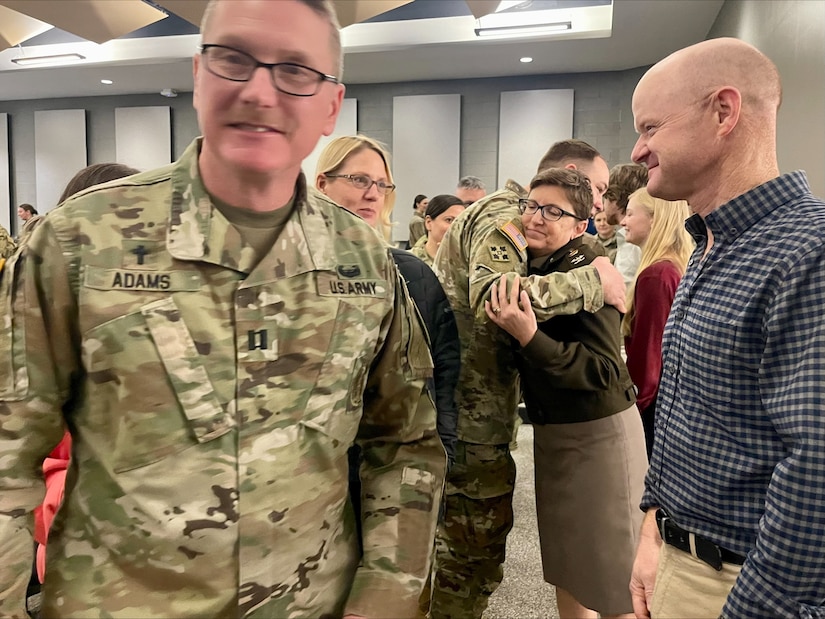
{"type": "Point", "coordinates": [549, 212]}
{"type": "Point", "coordinates": [361, 181]}
{"type": "Point", "coordinates": [287, 77]}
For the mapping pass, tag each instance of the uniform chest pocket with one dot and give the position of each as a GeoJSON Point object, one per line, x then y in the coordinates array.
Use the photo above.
{"type": "Point", "coordinates": [150, 394]}
{"type": "Point", "coordinates": [306, 360]}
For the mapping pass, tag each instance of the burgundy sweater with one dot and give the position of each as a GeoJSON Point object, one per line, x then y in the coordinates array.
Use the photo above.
{"type": "Point", "coordinates": [652, 298]}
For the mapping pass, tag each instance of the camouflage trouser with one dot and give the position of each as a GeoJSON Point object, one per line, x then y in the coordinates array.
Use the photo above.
{"type": "Point", "coordinates": [470, 542]}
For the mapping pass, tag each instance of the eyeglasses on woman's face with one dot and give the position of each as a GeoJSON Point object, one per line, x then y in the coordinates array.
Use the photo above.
{"type": "Point", "coordinates": [549, 212]}
{"type": "Point", "coordinates": [362, 181]}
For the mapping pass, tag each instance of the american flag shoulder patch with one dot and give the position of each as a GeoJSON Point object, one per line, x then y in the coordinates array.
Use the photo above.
{"type": "Point", "coordinates": [512, 232]}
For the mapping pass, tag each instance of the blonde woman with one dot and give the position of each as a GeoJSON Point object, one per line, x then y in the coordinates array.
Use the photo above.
{"type": "Point", "coordinates": [658, 228]}
{"type": "Point", "coordinates": [354, 171]}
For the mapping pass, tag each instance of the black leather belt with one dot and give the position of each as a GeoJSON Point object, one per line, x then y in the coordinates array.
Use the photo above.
{"type": "Point", "coordinates": [705, 550]}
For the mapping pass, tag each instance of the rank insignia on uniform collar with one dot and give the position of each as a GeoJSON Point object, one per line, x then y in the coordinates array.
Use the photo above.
{"type": "Point", "coordinates": [349, 270]}
{"type": "Point", "coordinates": [575, 256]}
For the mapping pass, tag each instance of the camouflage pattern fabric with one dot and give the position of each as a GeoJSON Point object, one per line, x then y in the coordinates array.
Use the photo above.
{"type": "Point", "coordinates": [484, 242]}
{"type": "Point", "coordinates": [418, 229]}
{"type": "Point", "coordinates": [7, 244]}
{"type": "Point", "coordinates": [472, 538]}
{"type": "Point", "coordinates": [211, 403]}
{"type": "Point", "coordinates": [420, 250]}
{"type": "Point", "coordinates": [473, 255]}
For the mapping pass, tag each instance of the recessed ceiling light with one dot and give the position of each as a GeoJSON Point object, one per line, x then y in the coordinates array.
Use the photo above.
{"type": "Point", "coordinates": [107, 82]}
{"type": "Point", "coordinates": [525, 59]}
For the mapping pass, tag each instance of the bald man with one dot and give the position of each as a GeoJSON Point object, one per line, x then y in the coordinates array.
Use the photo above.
{"type": "Point", "coordinates": [735, 494]}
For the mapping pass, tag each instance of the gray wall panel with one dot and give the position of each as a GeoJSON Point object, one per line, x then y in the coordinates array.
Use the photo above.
{"type": "Point", "coordinates": [531, 120]}
{"type": "Point", "coordinates": [59, 152]}
{"type": "Point", "coordinates": [426, 147]}
{"type": "Point", "coordinates": [143, 136]}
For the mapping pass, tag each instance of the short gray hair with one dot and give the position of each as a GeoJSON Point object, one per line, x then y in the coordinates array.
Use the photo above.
{"type": "Point", "coordinates": [471, 182]}
{"type": "Point", "coordinates": [324, 8]}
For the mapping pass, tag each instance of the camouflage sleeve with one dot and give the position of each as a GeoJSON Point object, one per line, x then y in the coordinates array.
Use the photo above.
{"type": "Point", "coordinates": [402, 472]}
{"type": "Point", "coordinates": [494, 255]}
{"type": "Point", "coordinates": [38, 355]}
{"type": "Point", "coordinates": [7, 244]}
{"type": "Point", "coordinates": [567, 293]}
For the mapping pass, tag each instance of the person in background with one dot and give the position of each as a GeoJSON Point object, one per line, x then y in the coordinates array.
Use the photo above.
{"type": "Point", "coordinates": [441, 212]}
{"type": "Point", "coordinates": [26, 212]}
{"type": "Point", "coordinates": [735, 494]}
{"type": "Point", "coordinates": [589, 442]}
{"type": "Point", "coordinates": [470, 189]}
{"type": "Point", "coordinates": [657, 227]}
{"type": "Point", "coordinates": [216, 335]}
{"type": "Point", "coordinates": [625, 178]}
{"type": "Point", "coordinates": [29, 216]}
{"type": "Point", "coordinates": [417, 228]}
{"type": "Point", "coordinates": [354, 172]}
{"type": "Point", "coordinates": [95, 174]}
{"type": "Point", "coordinates": [606, 235]}
{"type": "Point", "coordinates": [485, 241]}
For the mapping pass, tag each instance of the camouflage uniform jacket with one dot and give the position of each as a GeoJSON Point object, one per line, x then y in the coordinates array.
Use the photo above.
{"type": "Point", "coordinates": [420, 250]}
{"type": "Point", "coordinates": [485, 241]}
{"type": "Point", "coordinates": [7, 244]}
{"type": "Point", "coordinates": [211, 402]}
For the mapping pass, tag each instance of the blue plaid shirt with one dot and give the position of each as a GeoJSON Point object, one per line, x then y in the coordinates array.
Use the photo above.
{"type": "Point", "coordinates": [739, 454]}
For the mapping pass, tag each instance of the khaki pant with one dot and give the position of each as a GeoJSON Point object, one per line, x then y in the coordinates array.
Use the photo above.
{"type": "Point", "coordinates": [688, 587]}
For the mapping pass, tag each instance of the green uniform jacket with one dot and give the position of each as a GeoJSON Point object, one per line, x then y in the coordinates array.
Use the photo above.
{"type": "Point", "coordinates": [572, 369]}
{"type": "Point", "coordinates": [212, 402]}
{"type": "Point", "coordinates": [418, 229]}
{"type": "Point", "coordinates": [420, 250]}
{"type": "Point", "coordinates": [484, 242]}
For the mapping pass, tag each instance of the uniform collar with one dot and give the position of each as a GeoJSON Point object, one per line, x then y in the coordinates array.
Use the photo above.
{"type": "Point", "coordinates": [560, 254]}
{"type": "Point", "coordinates": [198, 231]}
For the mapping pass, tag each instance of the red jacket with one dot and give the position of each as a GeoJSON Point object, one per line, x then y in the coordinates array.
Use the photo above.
{"type": "Point", "coordinates": [652, 298]}
{"type": "Point", "coordinates": [54, 472]}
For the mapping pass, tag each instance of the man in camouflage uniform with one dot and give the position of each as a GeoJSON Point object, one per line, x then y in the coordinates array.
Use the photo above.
{"type": "Point", "coordinates": [485, 241]}
{"type": "Point", "coordinates": [212, 378]}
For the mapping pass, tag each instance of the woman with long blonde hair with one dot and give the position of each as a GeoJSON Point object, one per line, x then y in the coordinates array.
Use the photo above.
{"type": "Point", "coordinates": [658, 227]}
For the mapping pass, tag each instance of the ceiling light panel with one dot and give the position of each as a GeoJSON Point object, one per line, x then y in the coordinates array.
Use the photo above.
{"type": "Point", "coordinates": [48, 60]}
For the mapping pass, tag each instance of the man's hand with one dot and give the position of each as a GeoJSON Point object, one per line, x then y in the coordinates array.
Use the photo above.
{"type": "Point", "coordinates": [643, 577]}
{"type": "Point", "coordinates": [615, 292]}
